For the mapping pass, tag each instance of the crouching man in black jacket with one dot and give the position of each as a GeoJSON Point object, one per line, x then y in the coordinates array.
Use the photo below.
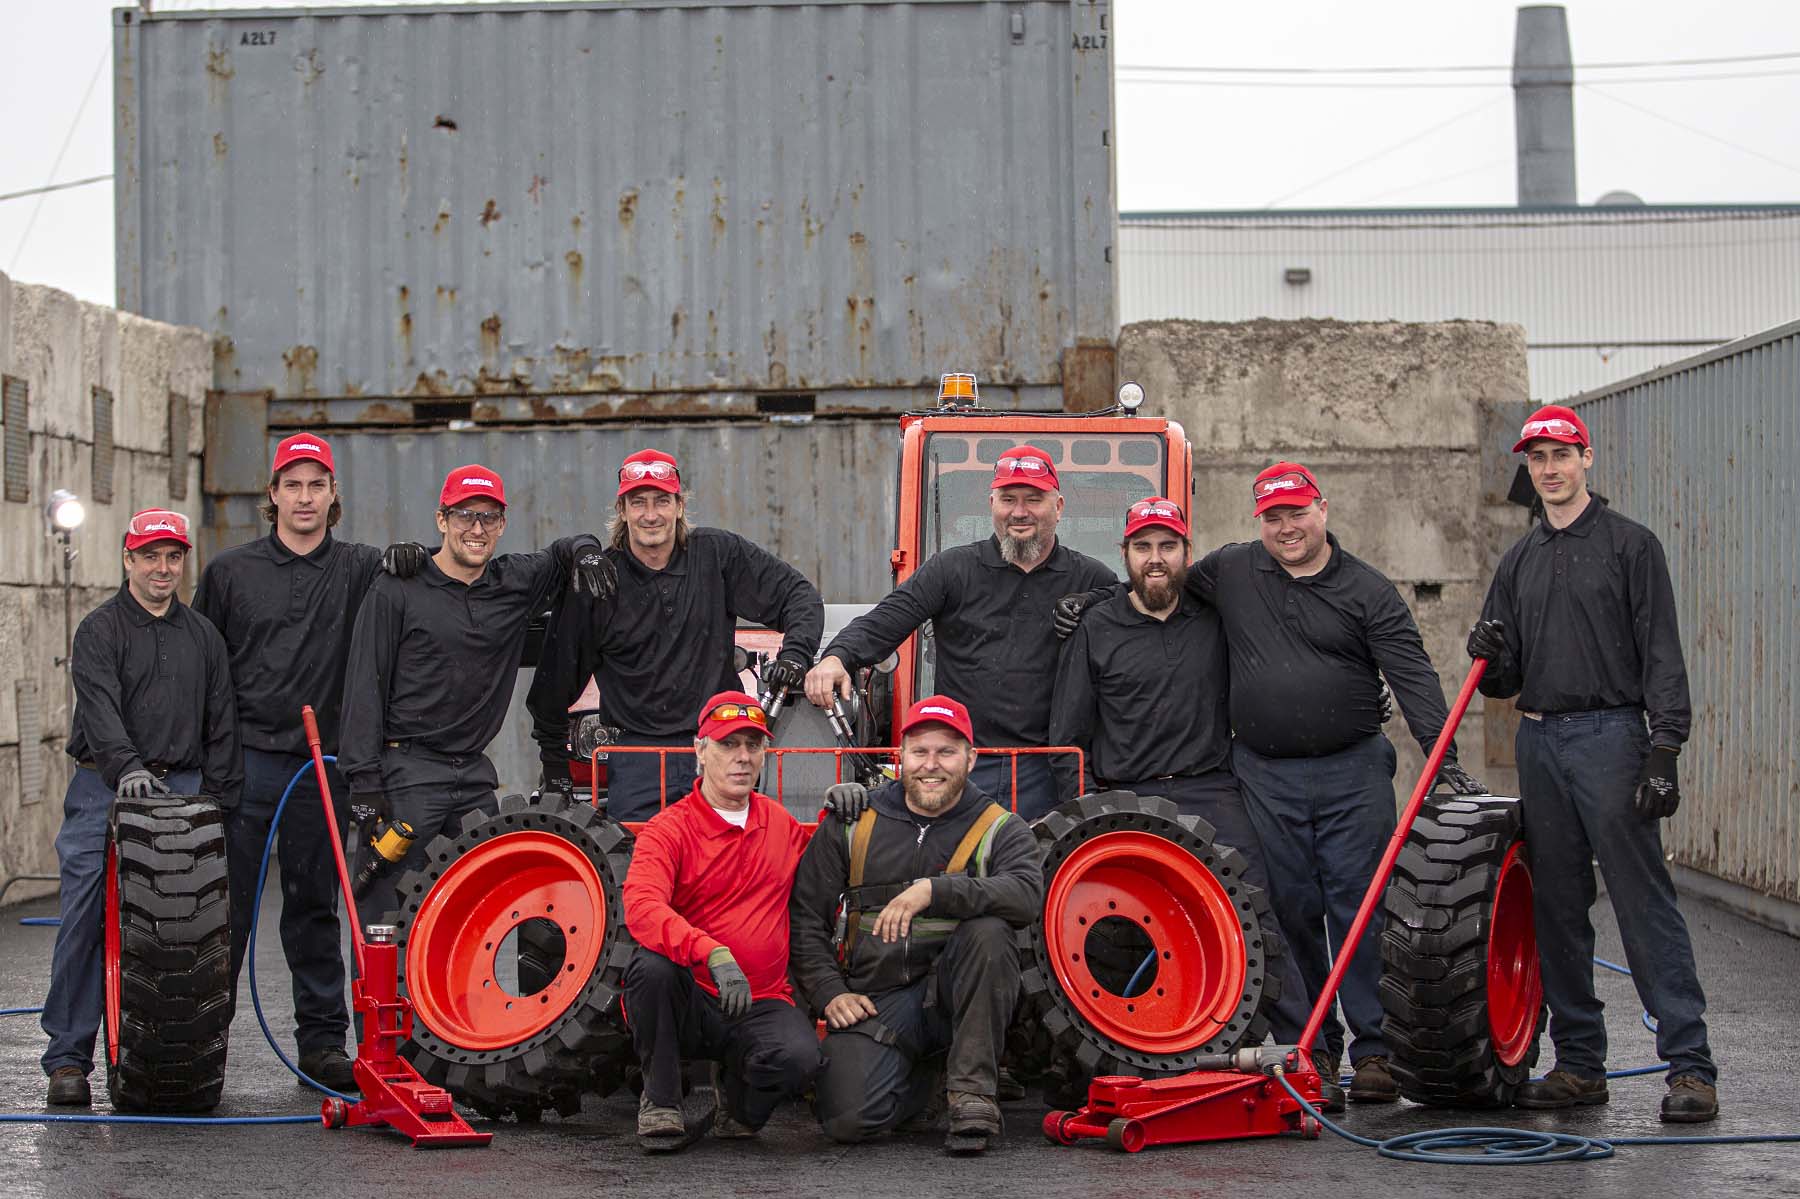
{"type": "Point", "coordinates": [902, 926]}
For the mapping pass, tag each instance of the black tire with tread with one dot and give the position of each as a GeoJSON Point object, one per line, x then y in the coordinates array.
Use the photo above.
{"type": "Point", "coordinates": [1434, 950]}
{"type": "Point", "coordinates": [174, 955]}
{"type": "Point", "coordinates": [1050, 1043]}
{"type": "Point", "coordinates": [586, 1048]}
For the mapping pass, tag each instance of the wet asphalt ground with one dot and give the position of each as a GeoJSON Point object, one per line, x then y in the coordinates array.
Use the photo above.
{"type": "Point", "coordinates": [1751, 976]}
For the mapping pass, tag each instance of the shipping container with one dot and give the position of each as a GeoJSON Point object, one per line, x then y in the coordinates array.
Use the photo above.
{"type": "Point", "coordinates": [625, 208]}
{"type": "Point", "coordinates": [1703, 452]}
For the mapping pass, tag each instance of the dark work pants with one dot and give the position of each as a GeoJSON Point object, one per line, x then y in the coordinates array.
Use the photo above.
{"type": "Point", "coordinates": [1578, 776]}
{"type": "Point", "coordinates": [881, 1072]}
{"type": "Point", "coordinates": [636, 784]}
{"type": "Point", "coordinates": [1216, 798]}
{"type": "Point", "coordinates": [993, 773]}
{"type": "Point", "coordinates": [77, 998]}
{"type": "Point", "coordinates": [309, 888]}
{"type": "Point", "coordinates": [765, 1057]}
{"type": "Point", "coordinates": [1324, 823]}
{"type": "Point", "coordinates": [432, 792]}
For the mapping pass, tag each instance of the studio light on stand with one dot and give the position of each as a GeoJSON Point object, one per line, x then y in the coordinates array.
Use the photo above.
{"type": "Point", "coordinates": [62, 516]}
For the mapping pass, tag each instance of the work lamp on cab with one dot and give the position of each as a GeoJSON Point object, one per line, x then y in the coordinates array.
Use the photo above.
{"type": "Point", "coordinates": [1131, 395]}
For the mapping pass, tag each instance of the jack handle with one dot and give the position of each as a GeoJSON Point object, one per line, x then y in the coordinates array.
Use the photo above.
{"type": "Point", "coordinates": [1378, 884]}
{"type": "Point", "coordinates": [310, 723]}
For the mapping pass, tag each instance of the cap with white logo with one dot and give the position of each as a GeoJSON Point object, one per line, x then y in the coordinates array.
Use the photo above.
{"type": "Point", "coordinates": [939, 709]}
{"type": "Point", "coordinates": [302, 447]}
{"type": "Point", "coordinates": [1284, 485]}
{"type": "Point", "coordinates": [467, 482]}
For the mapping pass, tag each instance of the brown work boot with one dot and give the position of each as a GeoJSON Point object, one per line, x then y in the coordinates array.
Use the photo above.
{"type": "Point", "coordinates": [659, 1124]}
{"type": "Point", "coordinates": [69, 1088]}
{"type": "Point", "coordinates": [726, 1127]}
{"type": "Point", "coordinates": [1690, 1101]}
{"type": "Point", "coordinates": [973, 1116]}
{"type": "Point", "coordinates": [1559, 1089]}
{"type": "Point", "coordinates": [1373, 1082]}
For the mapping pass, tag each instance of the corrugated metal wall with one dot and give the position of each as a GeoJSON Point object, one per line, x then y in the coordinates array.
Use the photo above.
{"type": "Point", "coordinates": [1703, 452]}
{"type": "Point", "coordinates": [1585, 284]}
{"type": "Point", "coordinates": [623, 198]}
{"type": "Point", "coordinates": [820, 496]}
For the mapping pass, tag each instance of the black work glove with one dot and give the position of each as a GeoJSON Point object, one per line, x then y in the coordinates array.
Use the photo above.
{"type": "Point", "coordinates": [734, 988]}
{"type": "Point", "coordinates": [1460, 781]}
{"type": "Point", "coordinates": [848, 800]}
{"type": "Point", "coordinates": [139, 784]}
{"type": "Point", "coordinates": [404, 559]}
{"type": "Point", "coordinates": [783, 675]}
{"type": "Point", "coordinates": [1487, 640]}
{"type": "Point", "coordinates": [1658, 790]}
{"type": "Point", "coordinates": [1386, 703]}
{"type": "Point", "coordinates": [1067, 613]}
{"type": "Point", "coordinates": [375, 803]}
{"type": "Point", "coordinates": [593, 573]}
{"type": "Point", "coordinates": [556, 777]}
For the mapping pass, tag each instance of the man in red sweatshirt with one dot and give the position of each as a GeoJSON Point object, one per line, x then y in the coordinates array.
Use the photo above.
{"type": "Point", "coordinates": [707, 900]}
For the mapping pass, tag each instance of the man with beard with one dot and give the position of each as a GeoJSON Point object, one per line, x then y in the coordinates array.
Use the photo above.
{"type": "Point", "coordinates": [989, 604]}
{"type": "Point", "coordinates": [902, 925]}
{"type": "Point", "coordinates": [665, 641]}
{"type": "Point", "coordinates": [432, 666]}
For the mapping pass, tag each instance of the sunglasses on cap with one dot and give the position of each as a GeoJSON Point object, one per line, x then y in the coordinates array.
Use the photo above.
{"type": "Point", "coordinates": [148, 524]}
{"type": "Point", "coordinates": [1556, 426]}
{"type": "Point", "coordinates": [633, 472]}
{"type": "Point", "coordinates": [1292, 481]}
{"type": "Point", "coordinates": [1146, 508]}
{"type": "Point", "coordinates": [464, 519]}
{"type": "Point", "coordinates": [1022, 466]}
{"type": "Point", "coordinates": [738, 712]}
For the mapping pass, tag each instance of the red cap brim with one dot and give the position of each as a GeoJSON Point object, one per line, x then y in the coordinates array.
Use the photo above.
{"type": "Point", "coordinates": [672, 486]}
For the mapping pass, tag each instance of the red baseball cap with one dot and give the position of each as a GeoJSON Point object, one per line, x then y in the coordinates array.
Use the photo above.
{"type": "Point", "coordinates": [302, 447]}
{"type": "Point", "coordinates": [1284, 485]}
{"type": "Point", "coordinates": [650, 468]}
{"type": "Point", "coordinates": [939, 709]}
{"type": "Point", "coordinates": [1157, 511]}
{"type": "Point", "coordinates": [467, 482]}
{"type": "Point", "coordinates": [1025, 466]}
{"type": "Point", "coordinates": [729, 711]}
{"type": "Point", "coordinates": [1553, 422]}
{"type": "Point", "coordinates": [156, 524]}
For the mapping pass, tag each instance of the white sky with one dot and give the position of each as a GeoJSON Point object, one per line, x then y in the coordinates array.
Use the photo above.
{"type": "Point", "coordinates": [1180, 146]}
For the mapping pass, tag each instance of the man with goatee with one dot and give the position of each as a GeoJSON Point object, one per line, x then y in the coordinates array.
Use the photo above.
{"type": "Point", "coordinates": [989, 604]}
{"type": "Point", "coordinates": [902, 923]}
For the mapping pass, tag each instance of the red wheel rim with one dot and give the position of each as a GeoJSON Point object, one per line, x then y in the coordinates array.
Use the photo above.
{"type": "Point", "coordinates": [1184, 910]}
{"type": "Point", "coordinates": [485, 894]}
{"type": "Point", "coordinates": [1515, 981]}
{"type": "Point", "coordinates": [114, 952]}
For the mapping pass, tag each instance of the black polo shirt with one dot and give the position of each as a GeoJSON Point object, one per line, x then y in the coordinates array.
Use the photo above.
{"type": "Point", "coordinates": [1590, 623]}
{"type": "Point", "coordinates": [1146, 698]}
{"type": "Point", "coordinates": [662, 646]}
{"type": "Point", "coordinates": [992, 637]}
{"type": "Point", "coordinates": [154, 690]}
{"type": "Point", "coordinates": [1305, 652]}
{"type": "Point", "coordinates": [433, 660]}
{"type": "Point", "coordinates": [286, 619]}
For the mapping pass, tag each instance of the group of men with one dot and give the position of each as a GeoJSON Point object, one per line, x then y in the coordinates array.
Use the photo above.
{"type": "Point", "coordinates": [1246, 687]}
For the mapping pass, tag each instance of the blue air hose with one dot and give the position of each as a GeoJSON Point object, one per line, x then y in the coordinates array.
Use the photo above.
{"type": "Point", "coordinates": [262, 874]}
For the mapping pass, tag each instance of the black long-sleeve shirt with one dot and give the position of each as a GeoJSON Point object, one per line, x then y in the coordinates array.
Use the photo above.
{"type": "Point", "coordinates": [1305, 652]}
{"type": "Point", "coordinates": [1144, 697]}
{"type": "Point", "coordinates": [433, 660]}
{"type": "Point", "coordinates": [287, 619]}
{"type": "Point", "coordinates": [991, 626]}
{"type": "Point", "coordinates": [663, 644]}
{"type": "Point", "coordinates": [154, 689]}
{"type": "Point", "coordinates": [1590, 623]}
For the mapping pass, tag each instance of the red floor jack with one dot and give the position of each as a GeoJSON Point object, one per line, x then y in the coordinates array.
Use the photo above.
{"type": "Point", "coordinates": [392, 1091]}
{"type": "Point", "coordinates": [1237, 1094]}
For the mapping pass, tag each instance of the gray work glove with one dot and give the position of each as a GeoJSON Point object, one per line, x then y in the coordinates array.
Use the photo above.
{"type": "Point", "coordinates": [1460, 781]}
{"type": "Point", "coordinates": [140, 784]}
{"type": "Point", "coordinates": [1487, 640]}
{"type": "Point", "coordinates": [734, 988]}
{"type": "Point", "coordinates": [594, 574]}
{"type": "Point", "coordinates": [404, 559]}
{"type": "Point", "coordinates": [848, 800]}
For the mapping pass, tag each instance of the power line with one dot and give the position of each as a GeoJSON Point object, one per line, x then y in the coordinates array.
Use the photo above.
{"type": "Point", "coordinates": [1416, 70]}
{"type": "Point", "coordinates": [1356, 85]}
{"type": "Point", "coordinates": [57, 165]}
{"type": "Point", "coordinates": [1414, 186]}
{"type": "Point", "coordinates": [1698, 132]}
{"type": "Point", "coordinates": [1384, 151]}
{"type": "Point", "coordinates": [54, 187]}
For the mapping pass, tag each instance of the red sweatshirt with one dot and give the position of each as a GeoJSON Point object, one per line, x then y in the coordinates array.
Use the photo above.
{"type": "Point", "coordinates": [697, 882]}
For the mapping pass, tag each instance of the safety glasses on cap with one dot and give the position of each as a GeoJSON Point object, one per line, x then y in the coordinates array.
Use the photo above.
{"type": "Point", "coordinates": [1145, 509]}
{"type": "Point", "coordinates": [1292, 481]}
{"type": "Point", "coordinates": [633, 472]}
{"type": "Point", "coordinates": [737, 712]}
{"type": "Point", "coordinates": [1556, 426]}
{"type": "Point", "coordinates": [1022, 466]}
{"type": "Point", "coordinates": [147, 525]}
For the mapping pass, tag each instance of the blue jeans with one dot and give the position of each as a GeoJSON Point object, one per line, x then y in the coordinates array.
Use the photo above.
{"type": "Point", "coordinates": [993, 773]}
{"type": "Point", "coordinates": [1324, 823]}
{"type": "Point", "coordinates": [77, 998]}
{"type": "Point", "coordinates": [309, 888]}
{"type": "Point", "coordinates": [637, 785]}
{"type": "Point", "coordinates": [1578, 774]}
